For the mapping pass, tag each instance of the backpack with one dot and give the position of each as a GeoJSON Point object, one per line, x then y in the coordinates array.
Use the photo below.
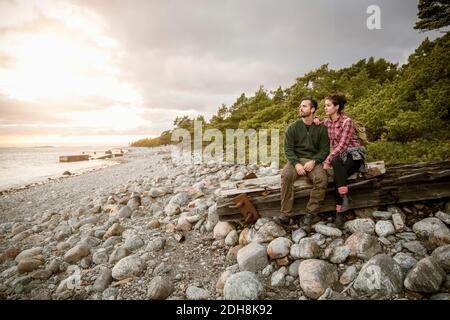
{"type": "Point", "coordinates": [360, 133]}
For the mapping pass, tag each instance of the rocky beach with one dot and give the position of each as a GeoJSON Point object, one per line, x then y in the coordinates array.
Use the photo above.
{"type": "Point", "coordinates": [147, 228]}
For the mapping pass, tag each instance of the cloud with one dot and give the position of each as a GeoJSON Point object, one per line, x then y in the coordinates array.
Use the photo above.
{"type": "Point", "coordinates": [6, 61]}
{"type": "Point", "coordinates": [222, 48]}
{"type": "Point", "coordinates": [14, 111]}
{"type": "Point", "coordinates": [160, 59]}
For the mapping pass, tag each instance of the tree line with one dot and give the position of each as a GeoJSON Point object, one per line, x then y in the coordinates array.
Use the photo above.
{"type": "Point", "coordinates": [405, 109]}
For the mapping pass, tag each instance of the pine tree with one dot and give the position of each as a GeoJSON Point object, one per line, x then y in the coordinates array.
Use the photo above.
{"type": "Point", "coordinates": [433, 14]}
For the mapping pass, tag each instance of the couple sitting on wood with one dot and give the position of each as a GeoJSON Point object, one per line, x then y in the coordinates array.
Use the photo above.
{"type": "Point", "coordinates": [307, 148]}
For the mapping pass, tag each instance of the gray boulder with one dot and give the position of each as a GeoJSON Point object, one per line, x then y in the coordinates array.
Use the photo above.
{"type": "Point", "coordinates": [360, 226]}
{"type": "Point", "coordinates": [405, 261]}
{"type": "Point", "coordinates": [444, 217]}
{"type": "Point", "coordinates": [306, 249]}
{"type": "Point", "coordinates": [426, 276]}
{"type": "Point", "coordinates": [125, 212]}
{"type": "Point", "coordinates": [133, 243]}
{"type": "Point", "coordinates": [279, 248]}
{"type": "Point", "coordinates": [76, 253]}
{"type": "Point", "coordinates": [349, 275]}
{"type": "Point", "coordinates": [382, 215]}
{"type": "Point", "coordinates": [157, 192]}
{"type": "Point", "coordinates": [327, 230]}
{"type": "Point", "coordinates": [100, 256]}
{"type": "Point", "coordinates": [156, 244]}
{"type": "Point", "coordinates": [213, 217]}
{"type": "Point", "coordinates": [252, 257]}
{"type": "Point", "coordinates": [232, 238]}
{"type": "Point", "coordinates": [222, 229]}
{"type": "Point", "coordinates": [384, 228]}
{"type": "Point", "coordinates": [127, 267]}
{"type": "Point", "coordinates": [316, 276]}
{"type": "Point", "coordinates": [442, 256]}
{"type": "Point", "coordinates": [398, 221]}
{"type": "Point", "coordinates": [268, 232]}
{"type": "Point", "coordinates": [243, 285]}
{"type": "Point", "coordinates": [118, 254]}
{"type": "Point", "coordinates": [363, 245]}
{"type": "Point", "coordinates": [159, 288]}
{"type": "Point", "coordinates": [278, 277]}
{"type": "Point", "coordinates": [415, 247]}
{"type": "Point", "coordinates": [293, 268]}
{"type": "Point", "coordinates": [196, 293]}
{"type": "Point", "coordinates": [29, 253]}
{"type": "Point", "coordinates": [340, 254]}
{"type": "Point", "coordinates": [103, 280]}
{"type": "Point", "coordinates": [433, 230]}
{"type": "Point", "coordinates": [298, 234]}
{"type": "Point", "coordinates": [381, 275]}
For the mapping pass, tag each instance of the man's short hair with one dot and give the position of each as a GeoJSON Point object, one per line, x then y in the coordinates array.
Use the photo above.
{"type": "Point", "coordinates": [312, 102]}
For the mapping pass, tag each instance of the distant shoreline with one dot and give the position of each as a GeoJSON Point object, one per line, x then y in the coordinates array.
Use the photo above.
{"type": "Point", "coordinates": [44, 147]}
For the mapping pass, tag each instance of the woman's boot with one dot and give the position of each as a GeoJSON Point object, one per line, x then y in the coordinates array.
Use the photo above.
{"type": "Point", "coordinates": [340, 217]}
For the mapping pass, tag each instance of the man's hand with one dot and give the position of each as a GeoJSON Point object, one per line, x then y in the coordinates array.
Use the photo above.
{"type": "Point", "coordinates": [300, 170]}
{"type": "Point", "coordinates": [326, 166]}
{"type": "Point", "coordinates": [309, 165]}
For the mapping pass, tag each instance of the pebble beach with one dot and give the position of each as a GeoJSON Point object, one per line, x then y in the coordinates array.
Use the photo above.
{"type": "Point", "coordinates": [147, 228]}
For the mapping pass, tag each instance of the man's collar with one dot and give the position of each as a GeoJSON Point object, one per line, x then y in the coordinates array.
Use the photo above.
{"type": "Point", "coordinates": [305, 123]}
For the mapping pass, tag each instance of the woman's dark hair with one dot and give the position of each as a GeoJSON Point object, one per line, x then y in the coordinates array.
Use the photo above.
{"type": "Point", "coordinates": [338, 100]}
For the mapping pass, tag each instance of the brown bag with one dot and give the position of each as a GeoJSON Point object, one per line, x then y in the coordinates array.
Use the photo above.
{"type": "Point", "coordinates": [360, 133]}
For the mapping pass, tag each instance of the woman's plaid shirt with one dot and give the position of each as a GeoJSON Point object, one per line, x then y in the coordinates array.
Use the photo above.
{"type": "Point", "coordinates": [341, 133]}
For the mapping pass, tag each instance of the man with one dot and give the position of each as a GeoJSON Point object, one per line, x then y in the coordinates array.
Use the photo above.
{"type": "Point", "coordinates": [306, 146]}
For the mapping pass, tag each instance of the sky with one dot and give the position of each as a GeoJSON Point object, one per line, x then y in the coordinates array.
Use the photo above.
{"type": "Point", "coordinates": [109, 72]}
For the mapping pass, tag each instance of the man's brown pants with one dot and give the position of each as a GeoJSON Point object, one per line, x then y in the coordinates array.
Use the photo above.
{"type": "Point", "coordinates": [288, 176]}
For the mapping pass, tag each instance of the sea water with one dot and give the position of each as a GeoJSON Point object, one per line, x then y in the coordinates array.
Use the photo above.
{"type": "Point", "coordinates": [22, 166]}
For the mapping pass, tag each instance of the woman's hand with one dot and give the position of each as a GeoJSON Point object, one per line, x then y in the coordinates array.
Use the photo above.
{"type": "Point", "coordinates": [326, 166]}
{"type": "Point", "coordinates": [316, 121]}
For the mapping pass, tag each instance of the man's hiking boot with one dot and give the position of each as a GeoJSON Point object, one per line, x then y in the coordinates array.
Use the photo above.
{"type": "Point", "coordinates": [282, 220]}
{"type": "Point", "coordinates": [309, 220]}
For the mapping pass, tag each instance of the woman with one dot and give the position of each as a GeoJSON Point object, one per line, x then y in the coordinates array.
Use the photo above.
{"type": "Point", "coordinates": [347, 153]}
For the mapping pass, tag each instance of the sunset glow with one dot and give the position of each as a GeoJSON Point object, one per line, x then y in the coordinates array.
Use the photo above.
{"type": "Point", "coordinates": [73, 64]}
{"type": "Point", "coordinates": [76, 71]}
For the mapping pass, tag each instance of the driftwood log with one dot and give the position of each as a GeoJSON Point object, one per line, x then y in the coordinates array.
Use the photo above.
{"type": "Point", "coordinates": [394, 185]}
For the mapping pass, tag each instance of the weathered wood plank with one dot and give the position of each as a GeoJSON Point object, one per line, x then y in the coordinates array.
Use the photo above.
{"type": "Point", "coordinates": [400, 184]}
{"type": "Point", "coordinates": [230, 188]}
{"type": "Point", "coordinates": [360, 199]}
